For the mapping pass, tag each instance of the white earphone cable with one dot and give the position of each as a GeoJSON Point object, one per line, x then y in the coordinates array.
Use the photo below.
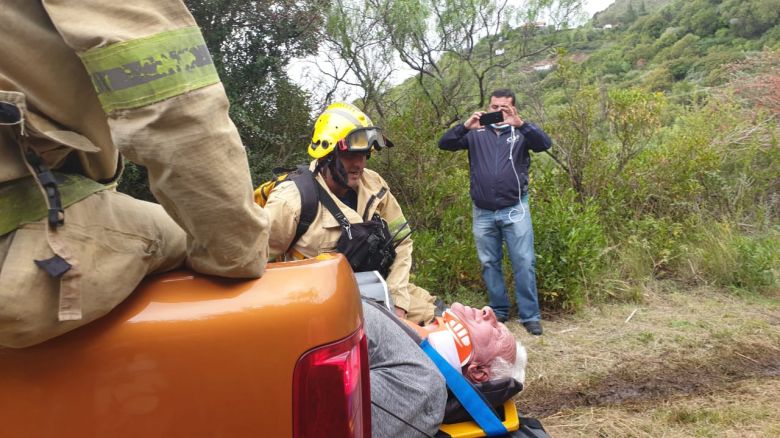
{"type": "Point", "coordinates": [514, 210]}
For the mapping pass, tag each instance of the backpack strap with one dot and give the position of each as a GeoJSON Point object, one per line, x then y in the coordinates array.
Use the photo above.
{"type": "Point", "coordinates": [374, 197]}
{"type": "Point", "coordinates": [328, 202]}
{"type": "Point", "coordinates": [304, 181]}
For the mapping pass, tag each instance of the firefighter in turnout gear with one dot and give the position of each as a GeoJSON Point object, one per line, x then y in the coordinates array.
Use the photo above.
{"type": "Point", "coordinates": [350, 196]}
{"type": "Point", "coordinates": [82, 84]}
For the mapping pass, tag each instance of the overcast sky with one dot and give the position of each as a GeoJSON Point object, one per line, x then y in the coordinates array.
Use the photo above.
{"type": "Point", "coordinates": [593, 6]}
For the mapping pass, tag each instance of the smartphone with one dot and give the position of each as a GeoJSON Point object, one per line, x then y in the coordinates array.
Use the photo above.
{"type": "Point", "coordinates": [490, 118]}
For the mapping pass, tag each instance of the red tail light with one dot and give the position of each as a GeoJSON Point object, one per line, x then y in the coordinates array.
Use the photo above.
{"type": "Point", "coordinates": [331, 395]}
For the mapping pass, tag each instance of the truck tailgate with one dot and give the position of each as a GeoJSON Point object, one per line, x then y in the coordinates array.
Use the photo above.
{"type": "Point", "coordinates": [185, 355]}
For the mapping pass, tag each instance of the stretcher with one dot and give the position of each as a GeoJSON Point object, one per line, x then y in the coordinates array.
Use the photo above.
{"type": "Point", "coordinates": [470, 429]}
{"type": "Point", "coordinates": [373, 286]}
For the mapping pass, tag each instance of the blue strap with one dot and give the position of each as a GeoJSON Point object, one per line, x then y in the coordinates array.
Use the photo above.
{"type": "Point", "coordinates": [466, 394]}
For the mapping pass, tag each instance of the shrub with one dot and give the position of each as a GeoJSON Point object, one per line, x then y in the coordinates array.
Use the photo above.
{"type": "Point", "coordinates": [570, 244]}
{"type": "Point", "coordinates": [658, 79]}
{"type": "Point", "coordinates": [648, 247]}
{"type": "Point", "coordinates": [445, 259]}
{"type": "Point", "coordinates": [719, 254]}
{"type": "Point", "coordinates": [135, 182]}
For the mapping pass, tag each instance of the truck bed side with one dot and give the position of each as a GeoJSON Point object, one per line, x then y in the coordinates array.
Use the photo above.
{"type": "Point", "coordinates": [185, 355]}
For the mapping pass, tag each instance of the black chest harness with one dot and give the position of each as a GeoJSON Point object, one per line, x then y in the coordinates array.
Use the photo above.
{"type": "Point", "coordinates": [369, 245]}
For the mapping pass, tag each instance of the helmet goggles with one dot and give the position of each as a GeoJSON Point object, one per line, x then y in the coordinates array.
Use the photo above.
{"type": "Point", "coordinates": [363, 140]}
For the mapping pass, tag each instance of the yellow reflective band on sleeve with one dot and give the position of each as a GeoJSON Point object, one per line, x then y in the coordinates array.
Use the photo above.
{"type": "Point", "coordinates": [397, 229]}
{"type": "Point", "coordinates": [143, 71]}
{"type": "Point", "coordinates": [21, 200]}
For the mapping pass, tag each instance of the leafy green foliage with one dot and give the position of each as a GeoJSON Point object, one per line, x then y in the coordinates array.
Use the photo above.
{"type": "Point", "coordinates": [454, 48]}
{"type": "Point", "coordinates": [652, 173]}
{"type": "Point", "coordinates": [666, 159]}
{"type": "Point", "coordinates": [634, 116]}
{"type": "Point", "coordinates": [752, 18]}
{"type": "Point", "coordinates": [251, 43]}
{"type": "Point", "coordinates": [570, 244]}
{"type": "Point", "coordinates": [726, 257]}
{"type": "Point", "coordinates": [135, 182]}
{"type": "Point", "coordinates": [626, 11]}
{"type": "Point", "coordinates": [445, 259]}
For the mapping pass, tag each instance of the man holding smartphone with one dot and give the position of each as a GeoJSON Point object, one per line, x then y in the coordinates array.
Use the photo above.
{"type": "Point", "coordinates": [499, 161]}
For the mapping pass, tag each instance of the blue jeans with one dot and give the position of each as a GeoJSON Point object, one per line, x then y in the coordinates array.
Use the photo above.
{"type": "Point", "coordinates": [513, 226]}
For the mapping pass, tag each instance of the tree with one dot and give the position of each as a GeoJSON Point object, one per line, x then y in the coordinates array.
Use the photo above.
{"type": "Point", "coordinates": [704, 22]}
{"type": "Point", "coordinates": [634, 115]}
{"type": "Point", "coordinates": [630, 15]}
{"type": "Point", "coordinates": [753, 17]}
{"type": "Point", "coordinates": [360, 58]}
{"type": "Point", "coordinates": [574, 126]}
{"type": "Point", "coordinates": [453, 47]}
{"type": "Point", "coordinates": [252, 41]}
{"type": "Point", "coordinates": [590, 155]}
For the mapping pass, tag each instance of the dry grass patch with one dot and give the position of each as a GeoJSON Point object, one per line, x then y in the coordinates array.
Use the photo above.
{"type": "Point", "coordinates": [748, 409]}
{"type": "Point", "coordinates": [682, 363]}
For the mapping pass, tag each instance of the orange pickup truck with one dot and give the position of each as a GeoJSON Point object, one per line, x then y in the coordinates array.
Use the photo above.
{"type": "Point", "coordinates": [191, 355]}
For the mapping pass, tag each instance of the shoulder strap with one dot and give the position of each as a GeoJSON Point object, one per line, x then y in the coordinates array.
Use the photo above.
{"type": "Point", "coordinates": [328, 202]}
{"type": "Point", "coordinates": [471, 400]}
{"type": "Point", "coordinates": [370, 202]}
{"type": "Point", "coordinates": [304, 180]}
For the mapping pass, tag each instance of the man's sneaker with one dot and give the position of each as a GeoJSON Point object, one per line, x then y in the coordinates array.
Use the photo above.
{"type": "Point", "coordinates": [533, 327]}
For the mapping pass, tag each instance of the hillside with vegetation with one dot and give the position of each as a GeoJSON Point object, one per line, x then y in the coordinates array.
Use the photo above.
{"type": "Point", "coordinates": [665, 165]}
{"type": "Point", "coordinates": [666, 161]}
{"type": "Point", "coordinates": [623, 12]}
{"type": "Point", "coordinates": [656, 213]}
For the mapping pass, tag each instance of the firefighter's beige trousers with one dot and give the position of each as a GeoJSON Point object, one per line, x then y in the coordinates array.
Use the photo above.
{"type": "Point", "coordinates": [116, 239]}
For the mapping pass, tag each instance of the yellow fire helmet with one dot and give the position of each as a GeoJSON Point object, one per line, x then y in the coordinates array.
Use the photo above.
{"type": "Point", "coordinates": [344, 126]}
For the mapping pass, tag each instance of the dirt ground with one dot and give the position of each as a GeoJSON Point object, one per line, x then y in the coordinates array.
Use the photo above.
{"type": "Point", "coordinates": [683, 363]}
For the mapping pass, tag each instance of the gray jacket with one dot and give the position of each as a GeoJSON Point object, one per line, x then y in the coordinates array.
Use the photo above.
{"type": "Point", "coordinates": [408, 393]}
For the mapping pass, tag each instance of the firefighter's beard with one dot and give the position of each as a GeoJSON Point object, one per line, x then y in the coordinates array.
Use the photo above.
{"type": "Point", "coordinates": [347, 176]}
{"type": "Point", "coordinates": [338, 173]}
{"type": "Point", "coordinates": [353, 177]}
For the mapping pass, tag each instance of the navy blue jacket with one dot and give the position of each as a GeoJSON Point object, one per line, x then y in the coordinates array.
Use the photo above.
{"type": "Point", "coordinates": [494, 184]}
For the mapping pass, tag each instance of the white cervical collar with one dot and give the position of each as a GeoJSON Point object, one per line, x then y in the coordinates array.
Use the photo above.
{"type": "Point", "coordinates": [443, 343]}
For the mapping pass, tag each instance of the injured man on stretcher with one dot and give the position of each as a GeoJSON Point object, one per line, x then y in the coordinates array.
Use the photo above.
{"type": "Point", "coordinates": [408, 391]}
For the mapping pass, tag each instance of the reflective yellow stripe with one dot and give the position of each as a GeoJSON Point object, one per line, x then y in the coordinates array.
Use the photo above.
{"type": "Point", "coordinates": [21, 200]}
{"type": "Point", "coordinates": [395, 225]}
{"type": "Point", "coordinates": [140, 72]}
{"type": "Point", "coordinates": [347, 115]}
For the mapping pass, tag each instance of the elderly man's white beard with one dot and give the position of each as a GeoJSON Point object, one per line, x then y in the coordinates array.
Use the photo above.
{"type": "Point", "coordinates": [444, 344]}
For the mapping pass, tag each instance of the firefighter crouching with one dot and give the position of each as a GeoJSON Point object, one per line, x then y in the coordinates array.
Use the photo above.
{"type": "Point", "coordinates": [353, 199]}
{"type": "Point", "coordinates": [80, 82]}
